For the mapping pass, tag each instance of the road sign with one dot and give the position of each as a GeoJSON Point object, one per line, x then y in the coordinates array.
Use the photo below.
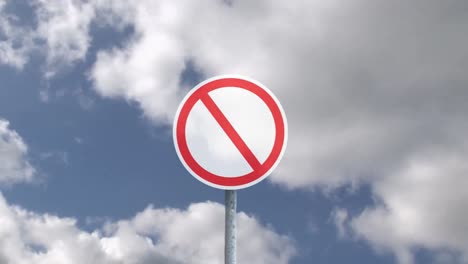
{"type": "Point", "coordinates": [230, 132]}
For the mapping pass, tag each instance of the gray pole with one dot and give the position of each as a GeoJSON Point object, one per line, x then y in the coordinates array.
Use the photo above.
{"type": "Point", "coordinates": [230, 236]}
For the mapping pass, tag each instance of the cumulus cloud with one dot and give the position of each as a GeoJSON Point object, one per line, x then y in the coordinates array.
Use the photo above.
{"type": "Point", "coordinates": [15, 40]}
{"type": "Point", "coordinates": [421, 206]}
{"type": "Point", "coordinates": [64, 26]}
{"type": "Point", "coordinates": [340, 217]}
{"type": "Point", "coordinates": [171, 236]}
{"type": "Point", "coordinates": [368, 87]}
{"type": "Point", "coordinates": [14, 165]}
{"type": "Point", "coordinates": [60, 33]}
{"type": "Point", "coordinates": [363, 90]}
{"type": "Point", "coordinates": [147, 70]}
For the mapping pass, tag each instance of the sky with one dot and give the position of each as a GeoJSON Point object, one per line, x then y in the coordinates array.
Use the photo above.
{"type": "Point", "coordinates": [375, 94]}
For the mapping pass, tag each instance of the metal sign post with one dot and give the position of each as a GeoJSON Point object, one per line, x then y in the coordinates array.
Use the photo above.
{"type": "Point", "coordinates": [260, 116]}
{"type": "Point", "coordinates": [230, 237]}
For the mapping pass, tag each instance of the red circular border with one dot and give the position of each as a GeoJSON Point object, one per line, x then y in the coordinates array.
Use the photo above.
{"type": "Point", "coordinates": [182, 121]}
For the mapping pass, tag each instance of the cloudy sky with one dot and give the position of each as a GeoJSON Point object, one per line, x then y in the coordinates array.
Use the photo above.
{"type": "Point", "coordinates": [376, 96]}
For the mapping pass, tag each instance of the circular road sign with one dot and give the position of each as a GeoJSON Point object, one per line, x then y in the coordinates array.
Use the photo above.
{"type": "Point", "coordinates": [230, 132]}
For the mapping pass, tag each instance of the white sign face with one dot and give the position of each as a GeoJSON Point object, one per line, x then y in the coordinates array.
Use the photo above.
{"type": "Point", "coordinates": [230, 132]}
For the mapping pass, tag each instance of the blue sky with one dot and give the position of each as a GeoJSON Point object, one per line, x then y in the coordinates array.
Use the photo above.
{"type": "Point", "coordinates": [122, 163]}
{"type": "Point", "coordinates": [375, 98]}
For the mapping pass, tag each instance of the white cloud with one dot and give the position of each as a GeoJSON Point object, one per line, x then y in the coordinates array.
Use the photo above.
{"type": "Point", "coordinates": [15, 40]}
{"type": "Point", "coordinates": [421, 206]}
{"type": "Point", "coordinates": [368, 87]}
{"type": "Point", "coordinates": [147, 70]}
{"type": "Point", "coordinates": [340, 217]}
{"type": "Point", "coordinates": [347, 75]}
{"type": "Point", "coordinates": [154, 235]}
{"type": "Point", "coordinates": [61, 34]}
{"type": "Point", "coordinates": [14, 165]}
{"type": "Point", "coordinates": [64, 25]}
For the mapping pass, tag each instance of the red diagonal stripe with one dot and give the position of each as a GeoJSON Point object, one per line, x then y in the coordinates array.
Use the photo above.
{"type": "Point", "coordinates": [231, 132]}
